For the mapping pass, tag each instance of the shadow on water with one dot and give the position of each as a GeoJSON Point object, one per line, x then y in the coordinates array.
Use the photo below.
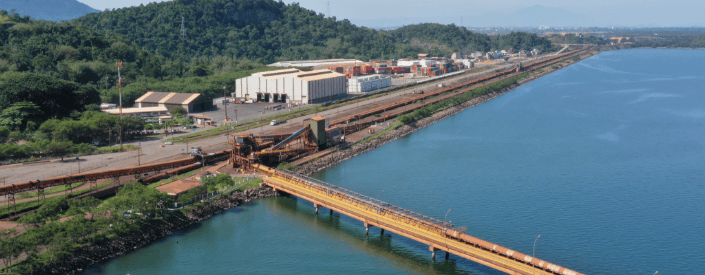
{"type": "Point", "coordinates": [397, 249]}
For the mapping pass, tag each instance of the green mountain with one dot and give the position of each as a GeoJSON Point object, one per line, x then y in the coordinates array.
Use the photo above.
{"type": "Point", "coordinates": [268, 31]}
{"type": "Point", "coordinates": [54, 10]}
{"type": "Point", "coordinates": [46, 63]}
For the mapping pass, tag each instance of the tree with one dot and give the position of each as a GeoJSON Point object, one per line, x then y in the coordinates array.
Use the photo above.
{"type": "Point", "coordinates": [219, 181]}
{"type": "Point", "coordinates": [178, 112]}
{"type": "Point", "coordinates": [4, 134]}
{"type": "Point", "coordinates": [60, 149]}
{"type": "Point", "coordinates": [54, 97]}
{"type": "Point", "coordinates": [19, 114]}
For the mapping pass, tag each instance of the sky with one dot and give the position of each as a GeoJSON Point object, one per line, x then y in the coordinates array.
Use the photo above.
{"type": "Point", "coordinates": [601, 13]}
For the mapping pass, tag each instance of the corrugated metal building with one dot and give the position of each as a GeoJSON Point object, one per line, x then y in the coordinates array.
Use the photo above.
{"type": "Point", "coordinates": [291, 86]}
{"type": "Point", "coordinates": [192, 102]}
{"type": "Point", "coordinates": [368, 83]}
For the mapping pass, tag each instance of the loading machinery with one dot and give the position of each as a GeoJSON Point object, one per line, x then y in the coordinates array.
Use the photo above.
{"type": "Point", "coordinates": [248, 148]}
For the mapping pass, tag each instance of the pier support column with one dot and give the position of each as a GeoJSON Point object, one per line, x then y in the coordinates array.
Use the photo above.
{"type": "Point", "coordinates": [447, 255]}
{"type": "Point", "coordinates": [382, 232]}
{"type": "Point", "coordinates": [331, 212]}
{"type": "Point", "coordinates": [316, 206]}
{"type": "Point", "coordinates": [367, 229]}
{"type": "Point", "coordinates": [433, 252]}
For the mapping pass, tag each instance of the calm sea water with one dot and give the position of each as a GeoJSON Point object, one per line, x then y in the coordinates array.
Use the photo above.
{"type": "Point", "coordinates": [605, 160]}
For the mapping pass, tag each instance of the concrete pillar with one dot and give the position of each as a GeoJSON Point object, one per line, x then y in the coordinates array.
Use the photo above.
{"type": "Point", "coordinates": [367, 230]}
{"type": "Point", "coordinates": [447, 255]}
{"type": "Point", "coordinates": [433, 252]}
{"type": "Point", "coordinates": [382, 232]}
{"type": "Point", "coordinates": [316, 206]}
{"type": "Point", "coordinates": [331, 211]}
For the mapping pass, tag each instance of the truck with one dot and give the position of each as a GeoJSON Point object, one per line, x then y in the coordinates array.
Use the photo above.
{"type": "Point", "coordinates": [276, 122]}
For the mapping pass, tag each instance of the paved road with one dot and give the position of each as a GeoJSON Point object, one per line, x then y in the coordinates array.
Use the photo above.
{"type": "Point", "coordinates": [152, 152]}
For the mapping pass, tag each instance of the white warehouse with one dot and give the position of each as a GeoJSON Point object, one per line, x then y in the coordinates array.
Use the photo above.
{"type": "Point", "coordinates": [291, 86]}
{"type": "Point", "coordinates": [363, 84]}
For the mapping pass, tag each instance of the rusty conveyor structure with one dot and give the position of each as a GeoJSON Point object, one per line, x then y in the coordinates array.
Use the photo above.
{"type": "Point", "coordinates": [438, 235]}
{"type": "Point", "coordinates": [39, 185]}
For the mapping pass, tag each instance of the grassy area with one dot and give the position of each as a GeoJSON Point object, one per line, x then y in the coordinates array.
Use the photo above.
{"type": "Point", "coordinates": [52, 190]}
{"type": "Point", "coordinates": [116, 149]}
{"type": "Point", "coordinates": [396, 124]}
{"type": "Point", "coordinates": [458, 99]}
{"type": "Point", "coordinates": [253, 183]}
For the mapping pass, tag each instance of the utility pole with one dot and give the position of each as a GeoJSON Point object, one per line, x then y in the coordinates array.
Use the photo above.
{"type": "Point", "coordinates": [138, 153]}
{"type": "Point", "coordinates": [120, 90]}
{"type": "Point", "coordinates": [225, 104]}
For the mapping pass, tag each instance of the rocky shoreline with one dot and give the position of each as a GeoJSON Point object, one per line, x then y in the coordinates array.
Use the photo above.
{"type": "Point", "coordinates": [329, 160]}
{"type": "Point", "coordinates": [310, 168]}
{"type": "Point", "coordinates": [156, 230]}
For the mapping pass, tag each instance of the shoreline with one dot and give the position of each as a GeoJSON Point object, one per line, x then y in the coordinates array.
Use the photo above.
{"type": "Point", "coordinates": [158, 229]}
{"type": "Point", "coordinates": [155, 230]}
{"type": "Point", "coordinates": [335, 158]}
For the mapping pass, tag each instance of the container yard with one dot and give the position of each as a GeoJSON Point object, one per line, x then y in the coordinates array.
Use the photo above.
{"type": "Point", "coordinates": [363, 84]}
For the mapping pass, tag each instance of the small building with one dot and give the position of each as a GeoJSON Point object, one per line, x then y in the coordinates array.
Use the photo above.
{"type": "Point", "coordinates": [363, 84]}
{"type": "Point", "coordinates": [318, 126]}
{"type": "Point", "coordinates": [456, 55]}
{"type": "Point", "coordinates": [201, 119]}
{"type": "Point", "coordinates": [192, 102]}
{"type": "Point", "coordinates": [157, 111]}
{"type": "Point", "coordinates": [423, 55]}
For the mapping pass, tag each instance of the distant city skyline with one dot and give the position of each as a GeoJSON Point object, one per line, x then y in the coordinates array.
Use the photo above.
{"type": "Point", "coordinates": [500, 13]}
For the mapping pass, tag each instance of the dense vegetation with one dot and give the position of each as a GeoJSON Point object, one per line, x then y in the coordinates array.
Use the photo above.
{"type": "Point", "coordinates": [459, 39]}
{"type": "Point", "coordinates": [49, 237]}
{"type": "Point", "coordinates": [267, 31]}
{"type": "Point", "coordinates": [62, 226]}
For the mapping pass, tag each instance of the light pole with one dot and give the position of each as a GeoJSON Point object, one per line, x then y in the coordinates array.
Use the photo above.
{"type": "Point", "coordinates": [379, 207]}
{"type": "Point", "coordinates": [537, 238]}
{"type": "Point", "coordinates": [446, 218]}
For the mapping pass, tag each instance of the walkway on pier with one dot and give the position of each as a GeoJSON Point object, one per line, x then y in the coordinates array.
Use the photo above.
{"type": "Point", "coordinates": [437, 234]}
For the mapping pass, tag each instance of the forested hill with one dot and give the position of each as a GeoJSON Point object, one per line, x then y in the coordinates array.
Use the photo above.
{"type": "Point", "coordinates": [261, 30]}
{"type": "Point", "coordinates": [55, 10]}
{"type": "Point", "coordinates": [268, 31]}
{"type": "Point", "coordinates": [460, 39]}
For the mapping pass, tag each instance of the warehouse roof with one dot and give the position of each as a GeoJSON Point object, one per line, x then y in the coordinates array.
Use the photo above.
{"type": "Point", "coordinates": [313, 63]}
{"type": "Point", "coordinates": [137, 110]}
{"type": "Point", "coordinates": [277, 72]}
{"type": "Point", "coordinates": [318, 75]}
{"type": "Point", "coordinates": [168, 98]}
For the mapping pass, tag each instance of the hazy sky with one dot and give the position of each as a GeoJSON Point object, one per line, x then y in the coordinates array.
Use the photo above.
{"type": "Point", "coordinates": [599, 12]}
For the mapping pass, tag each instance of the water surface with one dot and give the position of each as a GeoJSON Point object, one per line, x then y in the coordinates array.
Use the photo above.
{"type": "Point", "coordinates": [604, 159]}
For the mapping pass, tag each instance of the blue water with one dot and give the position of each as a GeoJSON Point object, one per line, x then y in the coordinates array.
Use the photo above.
{"type": "Point", "coordinates": [604, 159]}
